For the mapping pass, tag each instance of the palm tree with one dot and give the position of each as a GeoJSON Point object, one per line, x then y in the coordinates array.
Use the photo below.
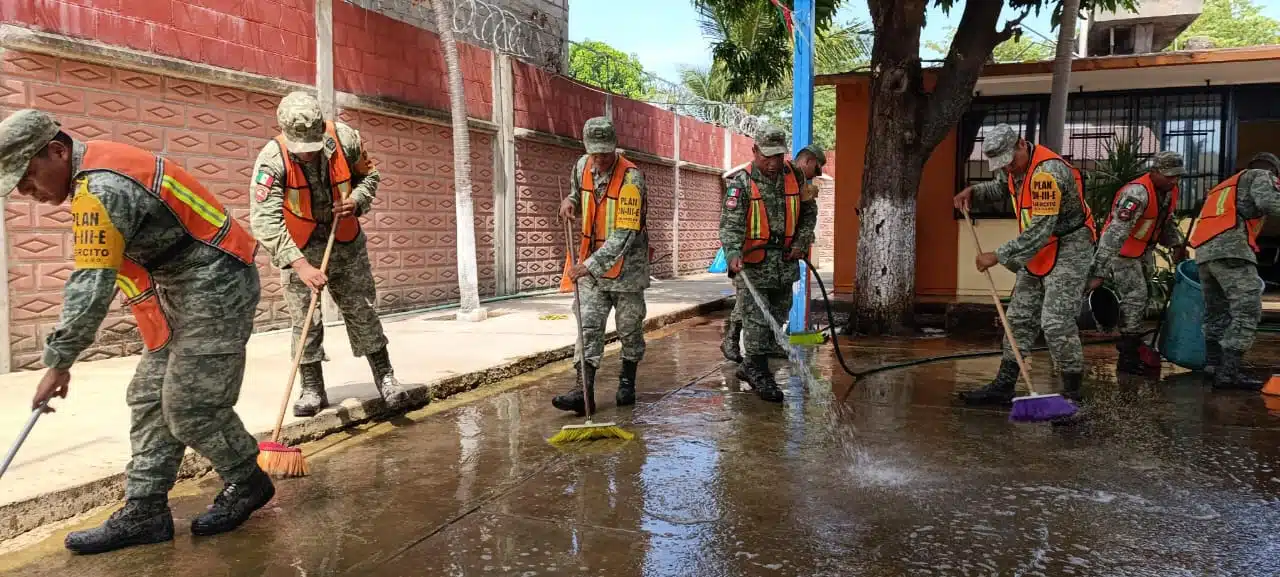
{"type": "Point", "coordinates": [469, 294]}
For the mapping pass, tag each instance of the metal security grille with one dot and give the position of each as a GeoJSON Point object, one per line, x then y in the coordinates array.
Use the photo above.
{"type": "Point", "coordinates": [1193, 123]}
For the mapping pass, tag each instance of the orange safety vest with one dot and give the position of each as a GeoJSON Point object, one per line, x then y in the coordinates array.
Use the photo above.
{"type": "Point", "coordinates": [197, 210]}
{"type": "Point", "coordinates": [758, 217]}
{"type": "Point", "coordinates": [1043, 262]}
{"type": "Point", "coordinates": [298, 219]}
{"type": "Point", "coordinates": [595, 231]}
{"type": "Point", "coordinates": [1219, 215]}
{"type": "Point", "coordinates": [1147, 230]}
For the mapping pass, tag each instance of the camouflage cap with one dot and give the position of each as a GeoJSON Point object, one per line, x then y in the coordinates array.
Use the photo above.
{"type": "Point", "coordinates": [817, 153]}
{"type": "Point", "coordinates": [1168, 163]}
{"type": "Point", "coordinates": [771, 140]}
{"type": "Point", "coordinates": [598, 136]}
{"type": "Point", "coordinates": [998, 145]}
{"type": "Point", "coordinates": [301, 121]}
{"type": "Point", "coordinates": [22, 135]}
{"type": "Point", "coordinates": [1268, 158]}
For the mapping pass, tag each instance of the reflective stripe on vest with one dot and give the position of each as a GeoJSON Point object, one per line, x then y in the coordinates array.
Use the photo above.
{"type": "Point", "coordinates": [1150, 224]}
{"type": "Point", "coordinates": [298, 219]}
{"type": "Point", "coordinates": [757, 238]}
{"type": "Point", "coordinates": [198, 211]}
{"type": "Point", "coordinates": [1220, 215]}
{"type": "Point", "coordinates": [1043, 262]}
{"type": "Point", "coordinates": [595, 230]}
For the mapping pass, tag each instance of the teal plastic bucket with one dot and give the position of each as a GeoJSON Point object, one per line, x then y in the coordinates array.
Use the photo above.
{"type": "Point", "coordinates": [1182, 335]}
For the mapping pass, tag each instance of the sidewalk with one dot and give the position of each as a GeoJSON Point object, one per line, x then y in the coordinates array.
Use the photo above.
{"type": "Point", "coordinates": [74, 459]}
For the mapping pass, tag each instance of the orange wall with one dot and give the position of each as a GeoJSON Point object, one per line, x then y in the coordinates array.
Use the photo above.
{"type": "Point", "coordinates": [936, 228]}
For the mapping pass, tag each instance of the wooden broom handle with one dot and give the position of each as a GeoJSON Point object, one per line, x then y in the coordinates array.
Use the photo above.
{"type": "Point", "coordinates": [306, 328]}
{"type": "Point", "coordinates": [995, 296]}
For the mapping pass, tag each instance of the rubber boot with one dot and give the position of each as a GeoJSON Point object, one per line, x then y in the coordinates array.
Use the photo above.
{"type": "Point", "coordinates": [233, 506]}
{"type": "Point", "coordinates": [313, 398]}
{"type": "Point", "coordinates": [1129, 360]}
{"type": "Point", "coordinates": [139, 522]}
{"type": "Point", "coordinates": [1212, 357]}
{"type": "Point", "coordinates": [999, 391]}
{"type": "Point", "coordinates": [756, 372]}
{"type": "Point", "coordinates": [731, 345]}
{"type": "Point", "coordinates": [1231, 376]}
{"type": "Point", "coordinates": [626, 395]}
{"type": "Point", "coordinates": [384, 378]}
{"type": "Point", "coordinates": [1071, 384]}
{"type": "Point", "coordinates": [573, 399]}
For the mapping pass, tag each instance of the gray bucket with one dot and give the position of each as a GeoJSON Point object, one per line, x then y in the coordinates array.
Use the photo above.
{"type": "Point", "coordinates": [1099, 310]}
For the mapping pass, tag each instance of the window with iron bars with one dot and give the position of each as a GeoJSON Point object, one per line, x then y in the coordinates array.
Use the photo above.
{"type": "Point", "coordinates": [1193, 123]}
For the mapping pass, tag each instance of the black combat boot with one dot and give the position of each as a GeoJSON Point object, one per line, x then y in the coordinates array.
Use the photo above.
{"type": "Point", "coordinates": [626, 395]}
{"type": "Point", "coordinates": [1230, 374]}
{"type": "Point", "coordinates": [731, 346]}
{"type": "Point", "coordinates": [1212, 356]}
{"type": "Point", "coordinates": [1071, 385]}
{"type": "Point", "coordinates": [313, 399]}
{"type": "Point", "coordinates": [756, 372]}
{"type": "Point", "coordinates": [393, 393]}
{"type": "Point", "coordinates": [139, 522]}
{"type": "Point", "coordinates": [999, 391]}
{"type": "Point", "coordinates": [1129, 360]}
{"type": "Point", "coordinates": [234, 504]}
{"type": "Point", "coordinates": [573, 400]}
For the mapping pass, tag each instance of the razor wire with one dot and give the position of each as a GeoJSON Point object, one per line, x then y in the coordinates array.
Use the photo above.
{"type": "Point", "coordinates": [533, 38]}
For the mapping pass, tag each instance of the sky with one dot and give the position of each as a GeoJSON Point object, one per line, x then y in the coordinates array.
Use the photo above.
{"type": "Point", "coordinates": [664, 34]}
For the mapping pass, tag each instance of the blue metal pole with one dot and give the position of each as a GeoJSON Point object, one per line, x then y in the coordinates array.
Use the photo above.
{"type": "Point", "coordinates": [802, 134]}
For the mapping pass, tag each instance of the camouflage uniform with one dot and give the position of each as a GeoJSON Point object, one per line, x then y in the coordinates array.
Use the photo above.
{"type": "Point", "coordinates": [774, 276]}
{"type": "Point", "coordinates": [1052, 303]}
{"type": "Point", "coordinates": [1229, 277]}
{"type": "Point", "coordinates": [1129, 274]}
{"type": "Point", "coordinates": [184, 394]}
{"type": "Point", "coordinates": [599, 295]}
{"type": "Point", "coordinates": [350, 274]}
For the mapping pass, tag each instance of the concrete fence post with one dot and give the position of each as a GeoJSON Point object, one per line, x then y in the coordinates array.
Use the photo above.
{"type": "Point", "coordinates": [504, 176]}
{"type": "Point", "coordinates": [675, 197]}
{"type": "Point", "coordinates": [6, 354]}
{"type": "Point", "coordinates": [328, 103]}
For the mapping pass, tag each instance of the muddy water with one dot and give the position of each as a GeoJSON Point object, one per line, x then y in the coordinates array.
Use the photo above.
{"type": "Point", "coordinates": [1164, 479]}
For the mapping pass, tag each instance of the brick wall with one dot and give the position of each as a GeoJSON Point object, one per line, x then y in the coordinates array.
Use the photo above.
{"type": "Point", "coordinates": [542, 178]}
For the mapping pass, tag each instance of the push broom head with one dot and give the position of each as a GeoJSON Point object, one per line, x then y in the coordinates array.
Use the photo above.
{"type": "Point", "coordinates": [589, 431]}
{"type": "Point", "coordinates": [1039, 408]}
{"type": "Point", "coordinates": [811, 339]}
{"type": "Point", "coordinates": [281, 461]}
{"type": "Point", "coordinates": [1273, 386]}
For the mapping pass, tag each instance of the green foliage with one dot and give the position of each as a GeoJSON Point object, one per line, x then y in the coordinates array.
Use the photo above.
{"type": "Point", "coordinates": [1232, 23]}
{"type": "Point", "coordinates": [603, 66]}
{"type": "Point", "coordinates": [1124, 162]}
{"type": "Point", "coordinates": [1016, 49]}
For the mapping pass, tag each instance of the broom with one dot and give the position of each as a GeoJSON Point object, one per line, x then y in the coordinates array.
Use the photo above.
{"type": "Point", "coordinates": [22, 438]}
{"type": "Point", "coordinates": [276, 458]}
{"type": "Point", "coordinates": [587, 431]}
{"type": "Point", "coordinates": [1034, 407]}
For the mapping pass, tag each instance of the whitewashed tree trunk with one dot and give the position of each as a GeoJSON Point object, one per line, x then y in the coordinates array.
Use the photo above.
{"type": "Point", "coordinates": [468, 278]}
{"type": "Point", "coordinates": [1055, 131]}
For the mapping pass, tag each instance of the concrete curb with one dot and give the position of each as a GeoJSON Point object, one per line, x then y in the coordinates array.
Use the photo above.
{"type": "Point", "coordinates": [24, 516]}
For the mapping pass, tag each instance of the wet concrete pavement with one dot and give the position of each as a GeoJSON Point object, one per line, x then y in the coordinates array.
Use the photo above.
{"type": "Point", "coordinates": [1166, 479]}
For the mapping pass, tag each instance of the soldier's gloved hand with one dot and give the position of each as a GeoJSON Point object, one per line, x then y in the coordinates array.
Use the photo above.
{"type": "Point", "coordinates": [566, 209]}
{"type": "Point", "coordinates": [986, 260]}
{"type": "Point", "coordinates": [1094, 283]}
{"type": "Point", "coordinates": [53, 384]}
{"type": "Point", "coordinates": [344, 208]}
{"type": "Point", "coordinates": [309, 275]}
{"type": "Point", "coordinates": [578, 271]}
{"type": "Point", "coordinates": [735, 265]}
{"type": "Point", "coordinates": [796, 253]}
{"type": "Point", "coordinates": [961, 201]}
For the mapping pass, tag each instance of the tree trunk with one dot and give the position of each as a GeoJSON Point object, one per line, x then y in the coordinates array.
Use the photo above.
{"type": "Point", "coordinates": [469, 293]}
{"type": "Point", "coordinates": [1055, 131]}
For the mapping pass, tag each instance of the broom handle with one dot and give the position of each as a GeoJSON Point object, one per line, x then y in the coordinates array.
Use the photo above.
{"type": "Point", "coordinates": [577, 307]}
{"type": "Point", "coordinates": [13, 451]}
{"type": "Point", "coordinates": [306, 328]}
{"type": "Point", "coordinates": [995, 296]}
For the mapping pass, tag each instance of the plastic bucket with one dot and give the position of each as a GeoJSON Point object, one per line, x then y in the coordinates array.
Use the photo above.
{"type": "Point", "coordinates": [1099, 310]}
{"type": "Point", "coordinates": [1182, 335]}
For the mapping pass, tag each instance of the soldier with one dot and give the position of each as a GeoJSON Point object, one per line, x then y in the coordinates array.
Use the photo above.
{"type": "Point", "coordinates": [1051, 256]}
{"type": "Point", "coordinates": [809, 162]}
{"type": "Point", "coordinates": [1225, 239]}
{"type": "Point", "coordinates": [766, 226]}
{"type": "Point", "coordinates": [185, 267]}
{"type": "Point", "coordinates": [612, 271]}
{"type": "Point", "coordinates": [314, 173]}
{"type": "Point", "coordinates": [1140, 217]}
